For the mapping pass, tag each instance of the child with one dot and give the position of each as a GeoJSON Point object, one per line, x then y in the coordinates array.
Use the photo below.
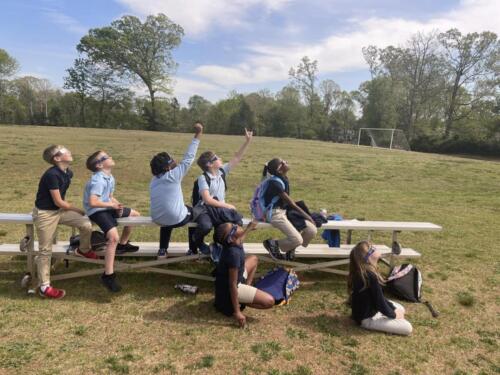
{"type": "Point", "coordinates": [52, 209]}
{"type": "Point", "coordinates": [234, 274]}
{"type": "Point", "coordinates": [167, 201]}
{"type": "Point", "coordinates": [370, 308]}
{"type": "Point", "coordinates": [103, 209]}
{"type": "Point", "coordinates": [212, 190]}
{"type": "Point", "coordinates": [281, 191]}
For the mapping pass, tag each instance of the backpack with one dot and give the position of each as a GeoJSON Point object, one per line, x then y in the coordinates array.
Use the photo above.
{"type": "Point", "coordinates": [405, 282]}
{"type": "Point", "coordinates": [332, 236]}
{"type": "Point", "coordinates": [280, 283]}
{"type": "Point", "coordinates": [195, 195]}
{"type": "Point", "coordinates": [97, 241]}
{"type": "Point", "coordinates": [258, 208]}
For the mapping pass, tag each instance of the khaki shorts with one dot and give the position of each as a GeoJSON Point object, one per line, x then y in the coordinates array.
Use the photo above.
{"type": "Point", "coordinates": [246, 293]}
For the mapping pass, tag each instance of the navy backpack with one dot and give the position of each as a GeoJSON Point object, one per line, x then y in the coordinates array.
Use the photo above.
{"type": "Point", "coordinates": [280, 283]}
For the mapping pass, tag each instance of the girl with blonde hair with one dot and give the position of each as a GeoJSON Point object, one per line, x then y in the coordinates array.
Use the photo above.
{"type": "Point", "coordinates": [370, 308]}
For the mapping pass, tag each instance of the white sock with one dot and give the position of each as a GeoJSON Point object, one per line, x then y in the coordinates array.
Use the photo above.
{"type": "Point", "coordinates": [44, 287]}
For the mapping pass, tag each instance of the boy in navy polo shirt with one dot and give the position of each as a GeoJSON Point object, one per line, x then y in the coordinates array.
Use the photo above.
{"type": "Point", "coordinates": [214, 194]}
{"type": "Point", "coordinates": [52, 209]}
{"type": "Point", "coordinates": [103, 209]}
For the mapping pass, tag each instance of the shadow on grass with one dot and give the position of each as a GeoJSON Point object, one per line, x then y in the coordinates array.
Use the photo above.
{"type": "Point", "coordinates": [330, 325]}
{"type": "Point", "coordinates": [192, 311]}
{"type": "Point", "coordinates": [139, 286]}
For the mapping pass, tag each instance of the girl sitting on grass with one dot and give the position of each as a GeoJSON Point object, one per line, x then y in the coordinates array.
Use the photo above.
{"type": "Point", "coordinates": [234, 274]}
{"type": "Point", "coordinates": [370, 308]}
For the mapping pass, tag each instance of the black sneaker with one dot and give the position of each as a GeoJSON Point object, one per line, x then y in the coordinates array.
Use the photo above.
{"type": "Point", "coordinates": [205, 249]}
{"type": "Point", "coordinates": [290, 255]}
{"type": "Point", "coordinates": [109, 281]}
{"type": "Point", "coordinates": [396, 248]}
{"type": "Point", "coordinates": [273, 249]}
{"type": "Point", "coordinates": [127, 248]}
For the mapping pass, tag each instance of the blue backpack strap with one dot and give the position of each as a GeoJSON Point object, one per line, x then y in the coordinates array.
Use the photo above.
{"type": "Point", "coordinates": [269, 207]}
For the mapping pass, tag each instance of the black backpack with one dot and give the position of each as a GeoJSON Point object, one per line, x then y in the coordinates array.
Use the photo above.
{"type": "Point", "coordinates": [97, 241]}
{"type": "Point", "coordinates": [405, 282]}
{"type": "Point", "coordinates": [195, 195]}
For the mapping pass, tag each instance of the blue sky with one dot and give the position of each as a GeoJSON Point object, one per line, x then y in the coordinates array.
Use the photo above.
{"type": "Point", "coordinates": [242, 45]}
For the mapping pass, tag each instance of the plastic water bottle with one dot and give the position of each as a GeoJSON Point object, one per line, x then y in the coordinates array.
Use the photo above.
{"type": "Point", "coordinates": [186, 288]}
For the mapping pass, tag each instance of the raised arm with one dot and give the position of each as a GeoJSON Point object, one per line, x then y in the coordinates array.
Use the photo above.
{"type": "Point", "coordinates": [181, 169]}
{"type": "Point", "coordinates": [239, 155]}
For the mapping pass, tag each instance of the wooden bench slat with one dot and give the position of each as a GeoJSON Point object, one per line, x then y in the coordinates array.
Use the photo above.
{"type": "Point", "coordinates": [339, 225]}
{"type": "Point", "coordinates": [179, 248]}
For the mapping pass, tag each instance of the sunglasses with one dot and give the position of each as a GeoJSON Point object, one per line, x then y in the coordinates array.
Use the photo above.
{"type": "Point", "coordinates": [214, 159]}
{"type": "Point", "coordinates": [371, 250]}
{"type": "Point", "coordinates": [60, 152]}
{"type": "Point", "coordinates": [102, 158]}
{"type": "Point", "coordinates": [231, 234]}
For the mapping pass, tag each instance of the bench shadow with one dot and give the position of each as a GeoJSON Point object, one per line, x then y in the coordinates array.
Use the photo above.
{"type": "Point", "coordinates": [137, 285]}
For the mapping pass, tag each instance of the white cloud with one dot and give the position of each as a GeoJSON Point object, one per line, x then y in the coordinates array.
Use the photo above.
{"type": "Point", "coordinates": [184, 88]}
{"type": "Point", "coordinates": [200, 15]}
{"type": "Point", "coordinates": [342, 51]}
{"type": "Point", "coordinates": [68, 23]}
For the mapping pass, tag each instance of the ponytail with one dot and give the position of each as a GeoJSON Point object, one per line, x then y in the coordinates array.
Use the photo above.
{"type": "Point", "coordinates": [264, 171]}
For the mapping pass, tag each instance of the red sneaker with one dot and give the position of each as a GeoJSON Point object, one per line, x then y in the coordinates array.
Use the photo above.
{"type": "Point", "coordinates": [53, 293]}
{"type": "Point", "coordinates": [89, 254]}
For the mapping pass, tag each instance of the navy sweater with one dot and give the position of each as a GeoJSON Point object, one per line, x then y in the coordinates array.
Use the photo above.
{"type": "Point", "coordinates": [367, 302]}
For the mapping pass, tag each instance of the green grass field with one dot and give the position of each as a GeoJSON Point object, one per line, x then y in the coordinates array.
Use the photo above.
{"type": "Point", "coordinates": [152, 328]}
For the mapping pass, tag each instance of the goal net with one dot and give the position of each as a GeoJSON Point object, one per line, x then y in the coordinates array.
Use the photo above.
{"type": "Point", "coordinates": [383, 138]}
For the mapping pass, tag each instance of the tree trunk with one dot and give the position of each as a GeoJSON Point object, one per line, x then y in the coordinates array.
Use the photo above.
{"type": "Point", "coordinates": [451, 107]}
{"type": "Point", "coordinates": [82, 110]}
{"type": "Point", "coordinates": [101, 109]}
{"type": "Point", "coordinates": [152, 117]}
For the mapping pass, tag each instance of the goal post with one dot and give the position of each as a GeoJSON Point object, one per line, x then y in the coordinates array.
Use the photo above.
{"type": "Point", "coordinates": [383, 138]}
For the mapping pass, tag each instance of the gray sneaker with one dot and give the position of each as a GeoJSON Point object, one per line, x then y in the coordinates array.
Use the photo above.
{"type": "Point", "coordinates": [273, 249]}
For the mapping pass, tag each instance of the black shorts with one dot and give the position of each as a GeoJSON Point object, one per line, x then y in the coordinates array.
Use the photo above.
{"type": "Point", "coordinates": [106, 219]}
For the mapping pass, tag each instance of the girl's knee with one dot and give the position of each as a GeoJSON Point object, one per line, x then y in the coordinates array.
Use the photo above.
{"type": "Point", "coordinates": [407, 329]}
{"type": "Point", "coordinates": [268, 301]}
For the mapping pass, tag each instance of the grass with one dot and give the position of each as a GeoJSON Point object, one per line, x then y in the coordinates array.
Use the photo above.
{"type": "Point", "coordinates": [151, 328]}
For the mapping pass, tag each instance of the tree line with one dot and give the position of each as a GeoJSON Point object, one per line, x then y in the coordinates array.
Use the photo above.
{"type": "Point", "coordinates": [440, 88]}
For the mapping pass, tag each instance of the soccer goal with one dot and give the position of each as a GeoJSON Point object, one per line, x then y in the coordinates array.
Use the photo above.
{"type": "Point", "coordinates": [383, 138]}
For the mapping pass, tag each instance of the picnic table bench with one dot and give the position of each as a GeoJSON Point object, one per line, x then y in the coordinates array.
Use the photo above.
{"type": "Point", "coordinates": [329, 258]}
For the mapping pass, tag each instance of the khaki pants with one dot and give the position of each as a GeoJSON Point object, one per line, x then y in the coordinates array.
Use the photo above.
{"type": "Point", "coordinates": [382, 323]}
{"type": "Point", "coordinates": [293, 237]}
{"type": "Point", "coordinates": [46, 222]}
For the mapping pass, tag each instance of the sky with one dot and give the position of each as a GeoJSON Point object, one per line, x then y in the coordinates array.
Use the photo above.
{"type": "Point", "coordinates": [241, 45]}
